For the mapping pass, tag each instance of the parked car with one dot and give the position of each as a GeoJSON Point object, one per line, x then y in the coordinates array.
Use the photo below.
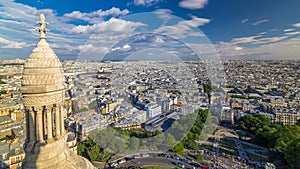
{"type": "Point", "coordinates": [196, 164]}
{"type": "Point", "coordinates": [145, 155]}
{"type": "Point", "coordinates": [179, 164]}
{"type": "Point", "coordinates": [186, 160]}
{"type": "Point", "coordinates": [112, 165]}
{"type": "Point", "coordinates": [175, 157]}
{"type": "Point", "coordinates": [164, 155]}
{"type": "Point", "coordinates": [121, 161]}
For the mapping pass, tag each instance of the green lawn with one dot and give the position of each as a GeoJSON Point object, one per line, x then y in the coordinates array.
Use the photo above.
{"type": "Point", "coordinates": [4, 138]}
{"type": "Point", "coordinates": [155, 167]}
{"type": "Point", "coordinates": [254, 157]}
{"type": "Point", "coordinates": [207, 146]}
{"type": "Point", "coordinates": [246, 146]}
{"type": "Point", "coordinates": [227, 142]}
{"type": "Point", "coordinates": [228, 150]}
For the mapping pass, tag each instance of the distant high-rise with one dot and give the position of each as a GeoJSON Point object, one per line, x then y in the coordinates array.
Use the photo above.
{"type": "Point", "coordinates": [43, 97]}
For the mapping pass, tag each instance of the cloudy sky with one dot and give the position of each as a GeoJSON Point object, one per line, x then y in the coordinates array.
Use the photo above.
{"type": "Point", "coordinates": [231, 29]}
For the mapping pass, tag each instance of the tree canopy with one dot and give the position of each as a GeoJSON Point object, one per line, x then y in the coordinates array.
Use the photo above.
{"type": "Point", "coordinates": [252, 123]}
{"type": "Point", "coordinates": [282, 141]}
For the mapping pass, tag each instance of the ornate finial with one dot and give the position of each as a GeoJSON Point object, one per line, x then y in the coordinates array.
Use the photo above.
{"type": "Point", "coordinates": [42, 29]}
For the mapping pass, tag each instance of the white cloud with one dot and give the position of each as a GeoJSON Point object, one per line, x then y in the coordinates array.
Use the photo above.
{"type": "Point", "coordinates": [11, 44]}
{"type": "Point", "coordinates": [288, 30]}
{"type": "Point", "coordinates": [18, 20]}
{"type": "Point", "coordinates": [245, 20]}
{"type": "Point", "coordinates": [243, 40]}
{"type": "Point", "coordinates": [282, 50]}
{"type": "Point", "coordinates": [104, 35]}
{"type": "Point", "coordinates": [260, 22]}
{"type": "Point", "coordinates": [17, 30]}
{"type": "Point", "coordinates": [96, 16]}
{"type": "Point", "coordinates": [268, 48]}
{"type": "Point", "coordinates": [292, 33]}
{"type": "Point", "coordinates": [269, 40]}
{"type": "Point", "coordinates": [262, 33]}
{"type": "Point", "coordinates": [146, 2]}
{"type": "Point", "coordinates": [159, 39]}
{"type": "Point", "coordinates": [297, 25]}
{"type": "Point", "coordinates": [238, 48]}
{"type": "Point", "coordinates": [193, 4]}
{"type": "Point", "coordinates": [78, 15]}
{"type": "Point", "coordinates": [112, 25]}
{"type": "Point", "coordinates": [163, 11]}
{"type": "Point", "coordinates": [125, 47]}
{"type": "Point", "coordinates": [165, 14]}
{"type": "Point", "coordinates": [195, 22]}
{"type": "Point", "coordinates": [91, 48]}
{"type": "Point", "coordinates": [184, 28]}
{"type": "Point", "coordinates": [253, 40]}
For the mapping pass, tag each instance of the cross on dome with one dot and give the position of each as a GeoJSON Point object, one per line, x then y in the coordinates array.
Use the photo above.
{"type": "Point", "coordinates": [42, 29]}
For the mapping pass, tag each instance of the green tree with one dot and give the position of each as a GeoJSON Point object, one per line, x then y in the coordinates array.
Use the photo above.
{"type": "Point", "coordinates": [3, 92]}
{"type": "Point", "coordinates": [199, 157]}
{"type": "Point", "coordinates": [298, 122]}
{"type": "Point", "coordinates": [2, 82]}
{"type": "Point", "coordinates": [178, 148]}
{"type": "Point", "coordinates": [190, 144]}
{"type": "Point", "coordinates": [292, 154]}
{"type": "Point", "coordinates": [282, 143]}
{"type": "Point", "coordinates": [252, 123]}
{"type": "Point", "coordinates": [94, 152]}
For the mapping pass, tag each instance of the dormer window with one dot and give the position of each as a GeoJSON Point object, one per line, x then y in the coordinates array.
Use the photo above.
{"type": "Point", "coordinates": [4, 156]}
{"type": "Point", "coordinates": [17, 151]}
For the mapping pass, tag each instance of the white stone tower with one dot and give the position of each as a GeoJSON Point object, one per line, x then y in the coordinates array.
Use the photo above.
{"type": "Point", "coordinates": [43, 97]}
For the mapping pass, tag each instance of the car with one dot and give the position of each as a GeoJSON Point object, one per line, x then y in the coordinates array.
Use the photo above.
{"type": "Point", "coordinates": [128, 158]}
{"type": "Point", "coordinates": [205, 167]}
{"type": "Point", "coordinates": [164, 155]}
{"type": "Point", "coordinates": [179, 164]}
{"type": "Point", "coordinates": [121, 161]}
{"type": "Point", "coordinates": [161, 155]}
{"type": "Point", "coordinates": [175, 157]}
{"type": "Point", "coordinates": [186, 160]}
{"type": "Point", "coordinates": [112, 165]}
{"type": "Point", "coordinates": [196, 164]}
{"type": "Point", "coordinates": [145, 155]}
{"type": "Point", "coordinates": [168, 156]}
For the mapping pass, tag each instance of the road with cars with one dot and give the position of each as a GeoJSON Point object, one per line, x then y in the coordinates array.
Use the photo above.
{"type": "Point", "coordinates": [161, 159]}
{"type": "Point", "coordinates": [168, 162]}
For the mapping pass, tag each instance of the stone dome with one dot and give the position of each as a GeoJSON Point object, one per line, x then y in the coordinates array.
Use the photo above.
{"type": "Point", "coordinates": [43, 78]}
{"type": "Point", "coordinates": [42, 71]}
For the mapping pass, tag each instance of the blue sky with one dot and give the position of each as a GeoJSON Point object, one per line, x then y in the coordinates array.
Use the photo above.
{"type": "Point", "coordinates": [234, 29]}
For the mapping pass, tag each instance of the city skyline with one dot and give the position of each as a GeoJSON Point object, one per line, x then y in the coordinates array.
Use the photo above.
{"type": "Point", "coordinates": [248, 30]}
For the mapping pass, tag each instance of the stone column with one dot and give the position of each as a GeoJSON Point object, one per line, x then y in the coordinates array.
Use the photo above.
{"type": "Point", "coordinates": [31, 126]}
{"type": "Point", "coordinates": [57, 120]}
{"type": "Point", "coordinates": [45, 122]}
{"type": "Point", "coordinates": [52, 122]}
{"type": "Point", "coordinates": [62, 115]}
{"type": "Point", "coordinates": [49, 123]}
{"type": "Point", "coordinates": [27, 123]}
{"type": "Point", "coordinates": [39, 125]}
